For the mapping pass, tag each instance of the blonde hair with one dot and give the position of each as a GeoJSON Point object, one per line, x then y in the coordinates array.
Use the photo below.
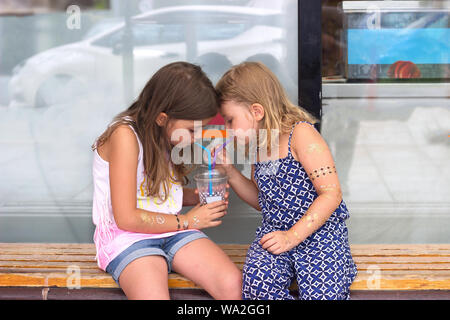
{"type": "Point", "coordinates": [253, 82]}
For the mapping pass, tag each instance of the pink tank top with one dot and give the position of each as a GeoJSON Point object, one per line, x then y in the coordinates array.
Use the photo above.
{"type": "Point", "coordinates": [109, 240]}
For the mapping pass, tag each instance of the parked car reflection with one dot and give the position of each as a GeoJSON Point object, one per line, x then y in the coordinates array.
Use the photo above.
{"type": "Point", "coordinates": [159, 37]}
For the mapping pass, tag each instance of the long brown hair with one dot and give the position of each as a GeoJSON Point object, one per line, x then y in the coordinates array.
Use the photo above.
{"type": "Point", "coordinates": [182, 91]}
{"type": "Point", "coordinates": [253, 82]}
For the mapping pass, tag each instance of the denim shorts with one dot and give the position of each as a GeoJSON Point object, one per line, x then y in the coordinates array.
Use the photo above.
{"type": "Point", "coordinates": [166, 247]}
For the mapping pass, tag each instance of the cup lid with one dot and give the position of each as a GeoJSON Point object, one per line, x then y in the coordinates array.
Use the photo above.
{"type": "Point", "coordinates": [216, 175]}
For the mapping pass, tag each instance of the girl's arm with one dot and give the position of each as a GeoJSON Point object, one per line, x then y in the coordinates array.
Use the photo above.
{"type": "Point", "coordinates": [122, 156]}
{"type": "Point", "coordinates": [190, 197]}
{"type": "Point", "coordinates": [311, 150]}
{"type": "Point", "coordinates": [246, 189]}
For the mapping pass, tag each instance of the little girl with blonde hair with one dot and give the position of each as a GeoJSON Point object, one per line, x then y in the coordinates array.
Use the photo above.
{"type": "Point", "coordinates": [303, 233]}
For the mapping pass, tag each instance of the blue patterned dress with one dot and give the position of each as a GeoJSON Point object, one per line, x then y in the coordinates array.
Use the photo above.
{"type": "Point", "coordinates": [322, 264]}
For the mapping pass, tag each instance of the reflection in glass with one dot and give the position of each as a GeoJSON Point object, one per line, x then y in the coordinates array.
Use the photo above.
{"type": "Point", "coordinates": [386, 115]}
{"type": "Point", "coordinates": [60, 87]}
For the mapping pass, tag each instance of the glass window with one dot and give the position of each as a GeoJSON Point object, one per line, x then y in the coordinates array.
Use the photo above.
{"type": "Point", "coordinates": [145, 35]}
{"type": "Point", "coordinates": [395, 40]}
{"type": "Point", "coordinates": [386, 110]}
{"type": "Point", "coordinates": [110, 40]}
{"type": "Point", "coordinates": [59, 88]}
{"type": "Point", "coordinates": [386, 115]}
{"type": "Point", "coordinates": [208, 32]}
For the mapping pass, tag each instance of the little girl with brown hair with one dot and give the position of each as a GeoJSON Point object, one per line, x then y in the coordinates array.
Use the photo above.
{"type": "Point", "coordinates": [138, 192]}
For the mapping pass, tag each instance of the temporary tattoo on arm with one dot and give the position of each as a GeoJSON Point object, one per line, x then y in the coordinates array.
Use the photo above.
{"type": "Point", "coordinates": [160, 219]}
{"type": "Point", "coordinates": [322, 172]}
{"type": "Point", "coordinates": [145, 217]}
{"type": "Point", "coordinates": [315, 147]}
{"type": "Point", "coordinates": [287, 239]}
{"type": "Point", "coordinates": [311, 217]}
{"type": "Point", "coordinates": [330, 191]}
{"type": "Point", "coordinates": [328, 187]}
{"type": "Point", "coordinates": [296, 235]}
{"type": "Point", "coordinates": [196, 221]}
{"type": "Point", "coordinates": [331, 197]}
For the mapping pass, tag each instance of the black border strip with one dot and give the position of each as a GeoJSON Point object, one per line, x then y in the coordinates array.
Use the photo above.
{"type": "Point", "coordinates": [310, 57]}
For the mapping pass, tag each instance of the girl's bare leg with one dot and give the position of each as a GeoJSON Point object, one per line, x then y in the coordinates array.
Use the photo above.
{"type": "Point", "coordinates": [145, 278]}
{"type": "Point", "coordinates": [205, 263]}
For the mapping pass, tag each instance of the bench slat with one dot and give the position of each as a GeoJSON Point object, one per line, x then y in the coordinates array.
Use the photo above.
{"type": "Point", "coordinates": [382, 262]}
{"type": "Point", "coordinates": [45, 264]}
{"type": "Point", "coordinates": [393, 267]}
{"type": "Point", "coordinates": [233, 250]}
{"type": "Point", "coordinates": [387, 282]}
{"type": "Point", "coordinates": [361, 267]}
{"type": "Point", "coordinates": [39, 257]}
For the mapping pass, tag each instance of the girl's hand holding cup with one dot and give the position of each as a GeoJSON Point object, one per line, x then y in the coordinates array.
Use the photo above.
{"type": "Point", "coordinates": [208, 215]}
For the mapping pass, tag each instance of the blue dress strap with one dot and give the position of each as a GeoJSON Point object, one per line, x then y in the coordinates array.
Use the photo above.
{"type": "Point", "coordinates": [292, 131]}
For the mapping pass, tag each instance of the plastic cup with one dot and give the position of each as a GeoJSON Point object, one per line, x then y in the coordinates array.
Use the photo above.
{"type": "Point", "coordinates": [211, 186]}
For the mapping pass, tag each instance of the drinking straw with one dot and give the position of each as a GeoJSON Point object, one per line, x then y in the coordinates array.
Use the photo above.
{"type": "Point", "coordinates": [217, 151]}
{"type": "Point", "coordinates": [209, 167]}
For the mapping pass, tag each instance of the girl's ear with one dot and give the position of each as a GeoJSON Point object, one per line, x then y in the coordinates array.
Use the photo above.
{"type": "Point", "coordinates": [161, 119]}
{"type": "Point", "coordinates": [257, 111]}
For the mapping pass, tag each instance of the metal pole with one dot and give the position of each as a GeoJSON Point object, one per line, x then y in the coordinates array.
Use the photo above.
{"type": "Point", "coordinates": [127, 56]}
{"type": "Point", "coordinates": [310, 56]}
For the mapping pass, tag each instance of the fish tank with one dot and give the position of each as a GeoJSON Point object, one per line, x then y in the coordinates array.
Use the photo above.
{"type": "Point", "coordinates": [395, 41]}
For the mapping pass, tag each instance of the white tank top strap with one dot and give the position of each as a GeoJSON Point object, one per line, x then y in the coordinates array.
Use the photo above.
{"type": "Point", "coordinates": [128, 118]}
{"type": "Point", "coordinates": [139, 143]}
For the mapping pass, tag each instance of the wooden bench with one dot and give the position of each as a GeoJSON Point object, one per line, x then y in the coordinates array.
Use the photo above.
{"type": "Point", "coordinates": [383, 267]}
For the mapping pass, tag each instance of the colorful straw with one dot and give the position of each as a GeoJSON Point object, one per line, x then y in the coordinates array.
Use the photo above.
{"type": "Point", "coordinates": [217, 151]}
{"type": "Point", "coordinates": [209, 167]}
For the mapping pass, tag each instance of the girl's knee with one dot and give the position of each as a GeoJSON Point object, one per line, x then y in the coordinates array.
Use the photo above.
{"type": "Point", "coordinates": [144, 291]}
{"type": "Point", "coordinates": [265, 290]}
{"type": "Point", "coordinates": [257, 286]}
{"type": "Point", "coordinates": [318, 291]}
{"type": "Point", "coordinates": [230, 286]}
